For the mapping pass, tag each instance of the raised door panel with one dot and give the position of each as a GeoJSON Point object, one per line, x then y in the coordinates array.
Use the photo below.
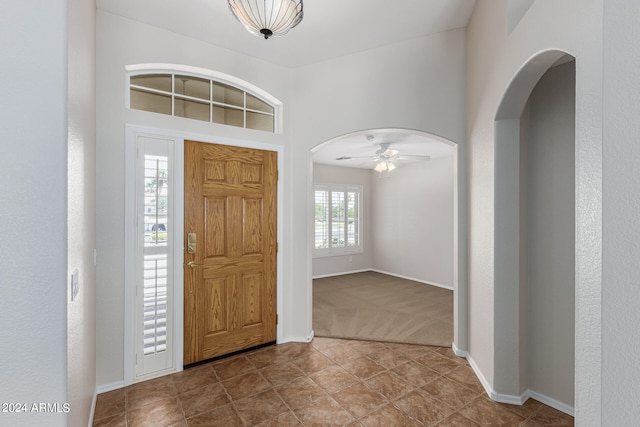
{"type": "Point", "coordinates": [215, 232]}
{"type": "Point", "coordinates": [252, 212]}
{"type": "Point", "coordinates": [214, 171]}
{"type": "Point", "coordinates": [215, 306]}
{"type": "Point", "coordinates": [251, 174]}
{"type": "Point", "coordinates": [252, 285]}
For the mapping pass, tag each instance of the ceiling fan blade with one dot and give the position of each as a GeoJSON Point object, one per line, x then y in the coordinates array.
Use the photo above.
{"type": "Point", "coordinates": [356, 157]}
{"type": "Point", "coordinates": [413, 156]}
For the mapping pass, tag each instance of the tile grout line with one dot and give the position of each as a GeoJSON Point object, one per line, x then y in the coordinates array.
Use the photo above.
{"type": "Point", "coordinates": [358, 349]}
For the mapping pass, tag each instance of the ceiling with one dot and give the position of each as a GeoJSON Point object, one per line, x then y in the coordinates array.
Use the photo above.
{"type": "Point", "coordinates": [329, 29]}
{"type": "Point", "coordinates": [365, 144]}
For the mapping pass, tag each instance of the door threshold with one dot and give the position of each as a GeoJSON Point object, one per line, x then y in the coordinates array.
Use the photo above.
{"type": "Point", "coordinates": [225, 356]}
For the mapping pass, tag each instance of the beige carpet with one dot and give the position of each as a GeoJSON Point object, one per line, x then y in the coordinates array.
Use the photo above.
{"type": "Point", "coordinates": [375, 306]}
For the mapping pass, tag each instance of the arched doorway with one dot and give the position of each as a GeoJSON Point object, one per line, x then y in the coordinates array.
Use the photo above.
{"type": "Point", "coordinates": [459, 235]}
{"type": "Point", "coordinates": [535, 234]}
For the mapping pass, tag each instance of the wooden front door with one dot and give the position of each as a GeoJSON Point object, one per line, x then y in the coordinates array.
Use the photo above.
{"type": "Point", "coordinates": [229, 249]}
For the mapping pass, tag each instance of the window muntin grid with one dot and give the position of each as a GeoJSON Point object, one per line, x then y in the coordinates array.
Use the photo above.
{"type": "Point", "coordinates": [200, 98]}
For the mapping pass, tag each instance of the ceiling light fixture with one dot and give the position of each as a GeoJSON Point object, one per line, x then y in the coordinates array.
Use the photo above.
{"type": "Point", "coordinates": [384, 165]}
{"type": "Point", "coordinates": [266, 18]}
{"type": "Point", "coordinates": [385, 157]}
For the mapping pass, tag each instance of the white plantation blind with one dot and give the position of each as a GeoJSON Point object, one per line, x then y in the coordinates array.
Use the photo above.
{"type": "Point", "coordinates": [155, 304]}
{"type": "Point", "coordinates": [154, 263]}
{"type": "Point", "coordinates": [322, 209]}
{"type": "Point", "coordinates": [338, 211]}
{"type": "Point", "coordinates": [156, 175]}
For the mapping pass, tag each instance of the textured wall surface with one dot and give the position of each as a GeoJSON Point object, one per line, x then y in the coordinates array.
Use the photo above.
{"type": "Point", "coordinates": [33, 208]}
{"type": "Point", "coordinates": [81, 217]}
{"type": "Point", "coordinates": [413, 221]}
{"type": "Point", "coordinates": [551, 235]}
{"type": "Point", "coordinates": [621, 199]}
{"type": "Point", "coordinates": [494, 58]}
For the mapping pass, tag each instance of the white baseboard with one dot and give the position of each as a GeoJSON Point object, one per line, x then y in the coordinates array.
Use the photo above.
{"type": "Point", "coordinates": [439, 285]}
{"type": "Point", "coordinates": [518, 400]}
{"type": "Point", "coordinates": [562, 407]}
{"type": "Point", "coordinates": [109, 387]}
{"type": "Point", "coordinates": [509, 398]}
{"type": "Point", "coordinates": [93, 407]}
{"type": "Point", "coordinates": [493, 395]}
{"type": "Point", "coordinates": [308, 338]}
{"type": "Point", "coordinates": [458, 352]}
{"type": "Point", "coordinates": [342, 273]}
{"type": "Point", "coordinates": [478, 372]}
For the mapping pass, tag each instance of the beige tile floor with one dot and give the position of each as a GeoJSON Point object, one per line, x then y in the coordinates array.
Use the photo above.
{"type": "Point", "coordinates": [329, 382]}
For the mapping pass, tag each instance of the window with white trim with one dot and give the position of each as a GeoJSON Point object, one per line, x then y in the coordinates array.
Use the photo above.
{"type": "Point", "coordinates": [200, 98]}
{"type": "Point", "coordinates": [338, 219]}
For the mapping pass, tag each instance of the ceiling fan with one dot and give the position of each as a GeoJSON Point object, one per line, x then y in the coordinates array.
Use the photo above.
{"type": "Point", "coordinates": [386, 158]}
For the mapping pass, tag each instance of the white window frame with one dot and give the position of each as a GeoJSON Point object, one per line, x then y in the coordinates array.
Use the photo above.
{"type": "Point", "coordinates": [214, 76]}
{"type": "Point", "coordinates": [133, 254]}
{"type": "Point", "coordinates": [340, 250]}
{"type": "Point", "coordinates": [134, 226]}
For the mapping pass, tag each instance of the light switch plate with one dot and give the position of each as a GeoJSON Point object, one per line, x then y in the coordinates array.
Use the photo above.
{"type": "Point", "coordinates": [75, 285]}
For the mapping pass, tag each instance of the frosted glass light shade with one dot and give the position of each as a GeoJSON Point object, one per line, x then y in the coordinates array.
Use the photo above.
{"type": "Point", "coordinates": [384, 165]}
{"type": "Point", "coordinates": [266, 18]}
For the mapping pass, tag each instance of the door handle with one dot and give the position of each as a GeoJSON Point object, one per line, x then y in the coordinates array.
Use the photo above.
{"type": "Point", "coordinates": [193, 264]}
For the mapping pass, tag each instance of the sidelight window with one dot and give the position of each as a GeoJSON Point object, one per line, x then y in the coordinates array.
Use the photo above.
{"type": "Point", "coordinates": [154, 258]}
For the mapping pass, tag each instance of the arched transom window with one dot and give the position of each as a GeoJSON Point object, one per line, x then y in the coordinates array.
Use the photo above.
{"type": "Point", "coordinates": [203, 95]}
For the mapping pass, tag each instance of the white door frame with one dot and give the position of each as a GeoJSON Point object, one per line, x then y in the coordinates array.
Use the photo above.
{"type": "Point", "coordinates": [132, 133]}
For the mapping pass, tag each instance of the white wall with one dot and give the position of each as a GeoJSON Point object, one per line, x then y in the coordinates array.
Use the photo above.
{"type": "Point", "coordinates": [408, 221]}
{"type": "Point", "coordinates": [413, 221]}
{"type": "Point", "coordinates": [33, 208]}
{"type": "Point", "coordinates": [621, 204]}
{"type": "Point", "coordinates": [332, 265]}
{"type": "Point", "coordinates": [417, 84]}
{"type": "Point", "coordinates": [550, 235]}
{"type": "Point", "coordinates": [122, 42]}
{"type": "Point", "coordinates": [81, 216]}
{"type": "Point", "coordinates": [493, 59]}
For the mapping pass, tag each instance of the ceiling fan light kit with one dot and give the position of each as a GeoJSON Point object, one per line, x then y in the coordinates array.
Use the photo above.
{"type": "Point", "coordinates": [267, 18]}
{"type": "Point", "coordinates": [385, 157]}
{"type": "Point", "coordinates": [384, 165]}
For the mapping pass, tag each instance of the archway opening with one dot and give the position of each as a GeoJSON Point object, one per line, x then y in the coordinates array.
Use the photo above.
{"type": "Point", "coordinates": [534, 292]}
{"type": "Point", "coordinates": [389, 223]}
